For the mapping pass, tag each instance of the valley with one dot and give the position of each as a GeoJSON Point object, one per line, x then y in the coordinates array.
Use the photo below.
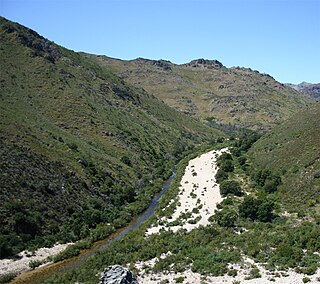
{"type": "Point", "coordinates": [88, 144]}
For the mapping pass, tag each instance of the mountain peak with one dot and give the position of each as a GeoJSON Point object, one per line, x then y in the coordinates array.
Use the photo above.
{"type": "Point", "coordinates": [204, 63]}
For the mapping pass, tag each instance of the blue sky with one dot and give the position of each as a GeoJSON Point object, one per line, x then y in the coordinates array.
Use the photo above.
{"type": "Point", "coordinates": [278, 37]}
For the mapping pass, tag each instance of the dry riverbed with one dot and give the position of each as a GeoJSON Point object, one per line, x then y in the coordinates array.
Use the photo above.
{"type": "Point", "coordinates": [198, 197]}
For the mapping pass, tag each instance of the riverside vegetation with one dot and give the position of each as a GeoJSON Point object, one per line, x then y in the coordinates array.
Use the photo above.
{"type": "Point", "coordinates": [266, 234]}
{"type": "Point", "coordinates": [83, 151]}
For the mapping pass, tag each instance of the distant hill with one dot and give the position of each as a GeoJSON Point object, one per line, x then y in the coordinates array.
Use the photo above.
{"type": "Point", "coordinates": [293, 148]}
{"type": "Point", "coordinates": [307, 89]}
{"type": "Point", "coordinates": [79, 146]}
{"type": "Point", "coordinates": [208, 90]}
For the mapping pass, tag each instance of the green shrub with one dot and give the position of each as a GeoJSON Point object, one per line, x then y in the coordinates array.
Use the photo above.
{"type": "Point", "coordinates": [306, 279]}
{"type": "Point", "coordinates": [35, 263]}
{"type": "Point", "coordinates": [221, 175]}
{"type": "Point", "coordinates": [230, 187]}
{"type": "Point", "coordinates": [5, 278]}
{"type": "Point", "coordinates": [226, 165]}
{"type": "Point", "coordinates": [254, 273]}
{"type": "Point", "coordinates": [256, 209]}
{"type": "Point", "coordinates": [179, 279]}
{"type": "Point", "coordinates": [226, 218]}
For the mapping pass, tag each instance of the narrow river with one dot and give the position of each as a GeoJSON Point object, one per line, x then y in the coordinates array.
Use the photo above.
{"type": "Point", "coordinates": [39, 275]}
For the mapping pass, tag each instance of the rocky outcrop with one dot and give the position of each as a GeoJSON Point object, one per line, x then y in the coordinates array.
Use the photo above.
{"type": "Point", "coordinates": [204, 63]}
{"type": "Point", "coordinates": [117, 274]}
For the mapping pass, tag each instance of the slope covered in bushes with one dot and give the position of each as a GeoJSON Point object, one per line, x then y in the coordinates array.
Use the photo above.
{"type": "Point", "coordinates": [79, 147]}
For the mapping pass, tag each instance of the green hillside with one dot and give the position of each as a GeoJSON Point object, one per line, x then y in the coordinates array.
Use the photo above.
{"type": "Point", "coordinates": [80, 148]}
{"type": "Point", "coordinates": [208, 90]}
{"type": "Point", "coordinates": [293, 148]}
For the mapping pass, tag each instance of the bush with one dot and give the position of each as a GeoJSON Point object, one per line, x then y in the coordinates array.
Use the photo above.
{"type": "Point", "coordinates": [230, 187]}
{"type": "Point", "coordinates": [35, 263]}
{"type": "Point", "coordinates": [179, 279]}
{"type": "Point", "coordinates": [306, 279]}
{"type": "Point", "coordinates": [225, 218]}
{"type": "Point", "coordinates": [5, 278]}
{"type": "Point", "coordinates": [226, 165]}
{"type": "Point", "coordinates": [221, 175]}
{"type": "Point", "coordinates": [256, 209]}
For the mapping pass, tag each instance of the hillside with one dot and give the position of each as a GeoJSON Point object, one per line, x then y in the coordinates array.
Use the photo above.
{"type": "Point", "coordinates": [307, 89]}
{"type": "Point", "coordinates": [293, 148]}
{"type": "Point", "coordinates": [82, 151]}
{"type": "Point", "coordinates": [208, 90]}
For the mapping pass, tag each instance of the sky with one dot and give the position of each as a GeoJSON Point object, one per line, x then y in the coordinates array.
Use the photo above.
{"type": "Point", "coordinates": [278, 37]}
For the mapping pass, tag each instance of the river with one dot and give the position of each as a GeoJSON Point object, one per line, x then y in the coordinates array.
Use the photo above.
{"type": "Point", "coordinates": [40, 274]}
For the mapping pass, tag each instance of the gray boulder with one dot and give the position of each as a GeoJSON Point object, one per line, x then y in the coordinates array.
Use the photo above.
{"type": "Point", "coordinates": [117, 274]}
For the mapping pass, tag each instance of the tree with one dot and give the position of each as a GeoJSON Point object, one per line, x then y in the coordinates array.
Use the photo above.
{"type": "Point", "coordinates": [256, 209]}
{"type": "Point", "coordinates": [226, 165]}
{"type": "Point", "coordinates": [221, 175]}
{"type": "Point", "coordinates": [230, 187]}
{"type": "Point", "coordinates": [226, 218]}
{"type": "Point", "coordinates": [248, 208]}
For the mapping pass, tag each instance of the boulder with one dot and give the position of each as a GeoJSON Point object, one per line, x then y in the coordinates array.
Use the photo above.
{"type": "Point", "coordinates": [117, 274]}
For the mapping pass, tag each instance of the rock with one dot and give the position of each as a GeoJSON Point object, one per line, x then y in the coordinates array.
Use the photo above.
{"type": "Point", "coordinates": [117, 274]}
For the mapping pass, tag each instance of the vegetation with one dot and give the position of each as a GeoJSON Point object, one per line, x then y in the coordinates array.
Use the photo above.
{"type": "Point", "coordinates": [222, 97]}
{"type": "Point", "coordinates": [230, 187]}
{"type": "Point", "coordinates": [277, 241]}
{"type": "Point", "coordinates": [82, 152]}
{"type": "Point", "coordinates": [292, 151]}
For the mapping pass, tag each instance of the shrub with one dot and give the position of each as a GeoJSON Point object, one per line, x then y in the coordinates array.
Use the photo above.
{"type": "Point", "coordinates": [126, 160]}
{"type": "Point", "coordinates": [230, 187]}
{"type": "Point", "coordinates": [179, 279]}
{"type": "Point", "coordinates": [221, 175]}
{"type": "Point", "coordinates": [5, 278]}
{"type": "Point", "coordinates": [242, 160]}
{"type": "Point", "coordinates": [35, 263]}
{"type": "Point", "coordinates": [226, 218]}
{"type": "Point", "coordinates": [227, 166]}
{"type": "Point", "coordinates": [306, 279]}
{"type": "Point", "coordinates": [256, 209]}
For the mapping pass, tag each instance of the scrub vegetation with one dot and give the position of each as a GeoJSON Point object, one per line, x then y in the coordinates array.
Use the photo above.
{"type": "Point", "coordinates": [251, 225]}
{"type": "Point", "coordinates": [82, 152]}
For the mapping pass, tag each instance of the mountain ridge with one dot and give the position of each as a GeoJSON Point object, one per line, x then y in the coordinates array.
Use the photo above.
{"type": "Point", "coordinates": [208, 90]}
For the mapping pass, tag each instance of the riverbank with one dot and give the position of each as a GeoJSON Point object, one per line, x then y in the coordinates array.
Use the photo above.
{"type": "Point", "coordinates": [27, 258]}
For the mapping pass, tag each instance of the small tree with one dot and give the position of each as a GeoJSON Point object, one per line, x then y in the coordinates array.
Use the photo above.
{"type": "Point", "coordinates": [226, 218]}
{"type": "Point", "coordinates": [226, 165]}
{"type": "Point", "coordinates": [230, 187]}
{"type": "Point", "coordinates": [221, 175]}
{"type": "Point", "coordinates": [256, 209]}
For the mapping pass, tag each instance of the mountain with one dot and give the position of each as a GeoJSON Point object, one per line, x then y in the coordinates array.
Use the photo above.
{"type": "Point", "coordinates": [307, 89]}
{"type": "Point", "coordinates": [293, 148]}
{"type": "Point", "coordinates": [82, 151]}
{"type": "Point", "coordinates": [208, 90]}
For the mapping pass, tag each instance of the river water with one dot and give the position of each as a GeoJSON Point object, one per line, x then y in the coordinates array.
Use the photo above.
{"type": "Point", "coordinates": [39, 275]}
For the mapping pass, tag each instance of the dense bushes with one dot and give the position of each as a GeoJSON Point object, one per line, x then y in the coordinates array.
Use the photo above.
{"type": "Point", "coordinates": [267, 180]}
{"type": "Point", "coordinates": [256, 209]}
{"type": "Point", "coordinates": [225, 217]}
{"type": "Point", "coordinates": [230, 187]}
